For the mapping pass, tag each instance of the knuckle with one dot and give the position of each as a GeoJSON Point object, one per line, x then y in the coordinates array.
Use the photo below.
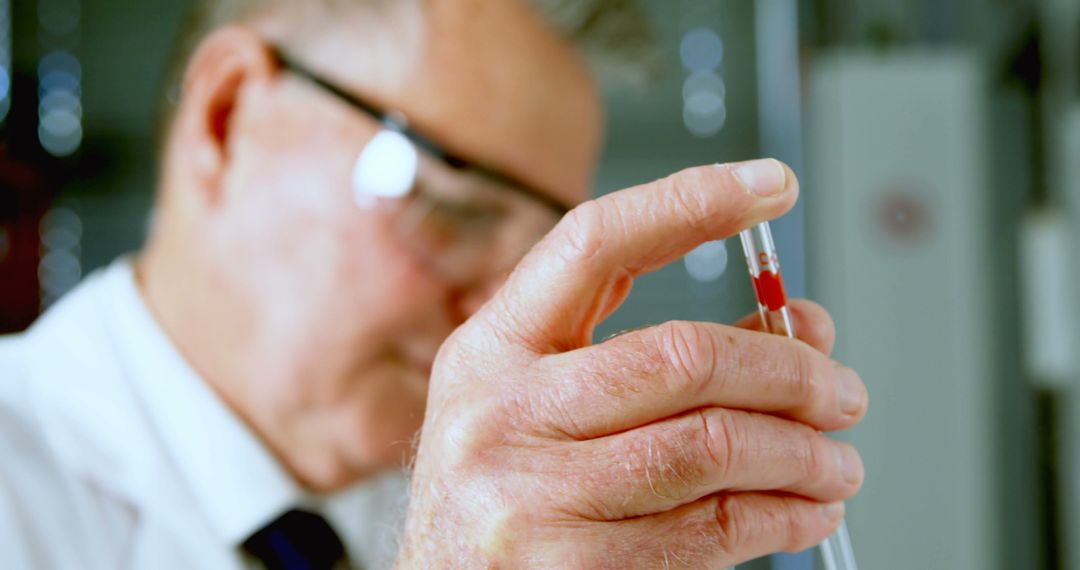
{"type": "Point", "coordinates": [502, 533]}
{"type": "Point", "coordinates": [683, 194]}
{"type": "Point", "coordinates": [809, 377]}
{"type": "Point", "coordinates": [722, 441]}
{"type": "Point", "coordinates": [694, 194]}
{"type": "Point", "coordinates": [799, 525]}
{"type": "Point", "coordinates": [731, 524]}
{"type": "Point", "coordinates": [469, 439]}
{"type": "Point", "coordinates": [787, 524]}
{"type": "Point", "coordinates": [581, 232]}
{"type": "Point", "coordinates": [515, 536]}
{"type": "Point", "coordinates": [691, 352]}
{"type": "Point", "coordinates": [812, 456]}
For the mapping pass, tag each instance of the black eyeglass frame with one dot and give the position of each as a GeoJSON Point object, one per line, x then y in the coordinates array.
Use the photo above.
{"type": "Point", "coordinates": [397, 122]}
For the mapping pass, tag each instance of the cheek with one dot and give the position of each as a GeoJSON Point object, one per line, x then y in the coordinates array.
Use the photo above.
{"type": "Point", "coordinates": [371, 274]}
{"type": "Point", "coordinates": [314, 250]}
{"type": "Point", "coordinates": [328, 282]}
{"type": "Point", "coordinates": [342, 273]}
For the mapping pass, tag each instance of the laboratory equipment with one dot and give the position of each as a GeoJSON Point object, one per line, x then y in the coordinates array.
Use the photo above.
{"type": "Point", "coordinates": [764, 266]}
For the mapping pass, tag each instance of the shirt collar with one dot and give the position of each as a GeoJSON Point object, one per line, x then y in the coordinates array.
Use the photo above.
{"type": "Point", "coordinates": [234, 479]}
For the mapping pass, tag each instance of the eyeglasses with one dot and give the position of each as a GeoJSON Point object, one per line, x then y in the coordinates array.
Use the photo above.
{"type": "Point", "coordinates": [462, 219]}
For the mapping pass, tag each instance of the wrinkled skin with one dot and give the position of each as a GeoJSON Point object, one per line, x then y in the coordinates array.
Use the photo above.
{"type": "Point", "coordinates": [687, 444]}
{"type": "Point", "coordinates": [684, 444]}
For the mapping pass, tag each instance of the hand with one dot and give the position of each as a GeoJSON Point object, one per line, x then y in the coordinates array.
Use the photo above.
{"type": "Point", "coordinates": [684, 444]}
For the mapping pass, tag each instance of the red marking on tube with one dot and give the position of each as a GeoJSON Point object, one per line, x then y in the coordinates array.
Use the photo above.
{"type": "Point", "coordinates": [769, 287]}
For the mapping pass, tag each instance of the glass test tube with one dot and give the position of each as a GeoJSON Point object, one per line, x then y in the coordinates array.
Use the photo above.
{"type": "Point", "coordinates": [764, 264]}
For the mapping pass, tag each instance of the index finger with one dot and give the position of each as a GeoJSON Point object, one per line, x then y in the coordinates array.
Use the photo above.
{"type": "Point", "coordinates": [583, 269]}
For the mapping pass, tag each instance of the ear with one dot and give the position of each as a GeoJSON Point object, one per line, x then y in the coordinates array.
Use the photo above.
{"type": "Point", "coordinates": [228, 65]}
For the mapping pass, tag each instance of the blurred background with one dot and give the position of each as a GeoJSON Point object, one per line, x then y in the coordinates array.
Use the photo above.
{"type": "Point", "coordinates": [938, 144]}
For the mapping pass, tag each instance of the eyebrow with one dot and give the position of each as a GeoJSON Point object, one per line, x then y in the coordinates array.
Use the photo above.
{"type": "Point", "coordinates": [398, 122]}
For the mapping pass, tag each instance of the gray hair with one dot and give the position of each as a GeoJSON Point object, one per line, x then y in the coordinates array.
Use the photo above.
{"type": "Point", "coordinates": [614, 36]}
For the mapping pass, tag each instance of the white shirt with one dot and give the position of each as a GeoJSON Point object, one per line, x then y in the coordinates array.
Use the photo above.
{"type": "Point", "coordinates": [115, 454]}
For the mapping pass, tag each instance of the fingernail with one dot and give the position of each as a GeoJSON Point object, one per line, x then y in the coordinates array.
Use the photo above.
{"type": "Point", "coordinates": [851, 390]}
{"type": "Point", "coordinates": [850, 464]}
{"type": "Point", "coordinates": [765, 177]}
{"type": "Point", "coordinates": [833, 511]}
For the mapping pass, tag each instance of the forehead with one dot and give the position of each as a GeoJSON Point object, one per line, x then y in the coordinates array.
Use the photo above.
{"type": "Point", "coordinates": [488, 80]}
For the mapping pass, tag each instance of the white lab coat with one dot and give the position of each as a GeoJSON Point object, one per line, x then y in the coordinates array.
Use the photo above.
{"type": "Point", "coordinates": [115, 454]}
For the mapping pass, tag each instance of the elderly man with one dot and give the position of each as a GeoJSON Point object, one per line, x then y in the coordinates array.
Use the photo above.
{"type": "Point", "coordinates": [337, 260]}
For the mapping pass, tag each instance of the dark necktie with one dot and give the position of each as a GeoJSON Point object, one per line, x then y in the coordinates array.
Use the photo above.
{"type": "Point", "coordinates": [297, 540]}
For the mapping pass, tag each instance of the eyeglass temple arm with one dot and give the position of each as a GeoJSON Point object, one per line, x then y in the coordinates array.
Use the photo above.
{"type": "Point", "coordinates": [398, 122]}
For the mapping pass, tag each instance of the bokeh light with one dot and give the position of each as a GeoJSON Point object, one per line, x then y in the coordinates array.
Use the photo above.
{"type": "Point", "coordinates": [59, 17]}
{"type": "Point", "coordinates": [60, 268]}
{"type": "Point", "coordinates": [707, 262]}
{"type": "Point", "coordinates": [701, 49]}
{"type": "Point", "coordinates": [60, 103]}
{"type": "Point", "coordinates": [386, 168]}
{"type": "Point", "coordinates": [5, 58]}
{"type": "Point", "coordinates": [703, 91]}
